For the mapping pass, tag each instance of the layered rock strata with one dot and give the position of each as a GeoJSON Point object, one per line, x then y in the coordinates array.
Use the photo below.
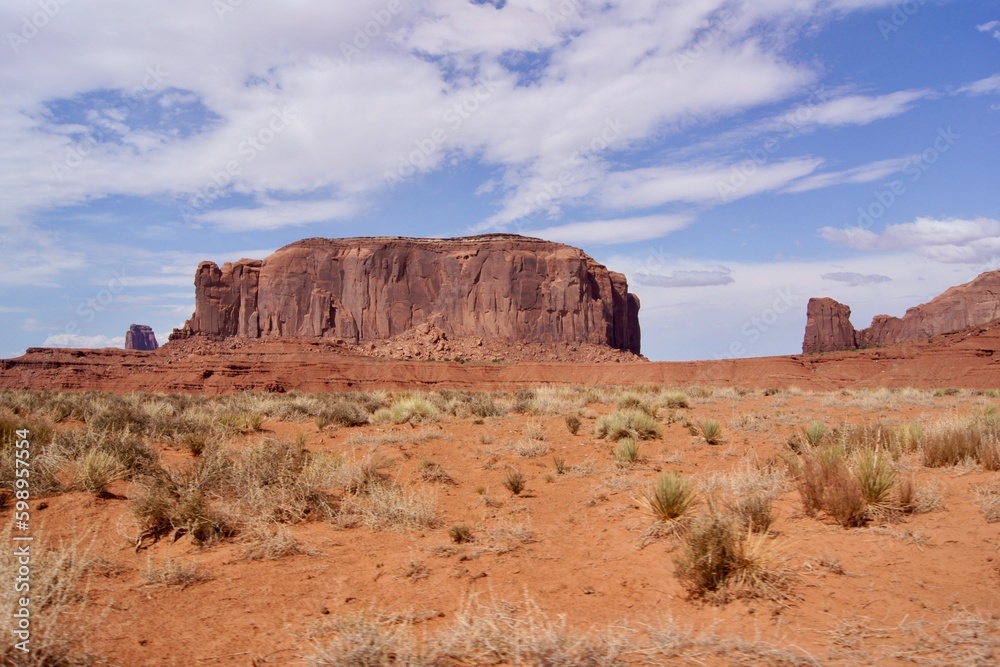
{"type": "Point", "coordinates": [497, 286]}
{"type": "Point", "coordinates": [140, 337]}
{"type": "Point", "coordinates": [829, 329]}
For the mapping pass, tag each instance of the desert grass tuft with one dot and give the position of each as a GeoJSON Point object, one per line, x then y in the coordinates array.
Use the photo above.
{"type": "Point", "coordinates": [711, 431]}
{"type": "Point", "coordinates": [670, 499]}
{"type": "Point", "coordinates": [626, 452]}
{"type": "Point", "coordinates": [718, 563]}
{"type": "Point", "coordinates": [634, 424]}
{"type": "Point", "coordinates": [173, 573]}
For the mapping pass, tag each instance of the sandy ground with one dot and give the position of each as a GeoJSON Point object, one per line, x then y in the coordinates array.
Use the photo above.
{"type": "Point", "coordinates": [921, 588]}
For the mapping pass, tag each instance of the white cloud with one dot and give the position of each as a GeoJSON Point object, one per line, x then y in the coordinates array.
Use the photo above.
{"type": "Point", "coordinates": [275, 214]}
{"type": "Point", "coordinates": [695, 278]}
{"type": "Point", "coordinates": [763, 310]}
{"type": "Point", "coordinates": [76, 340]}
{"type": "Point", "coordinates": [654, 186]}
{"type": "Point", "coordinates": [990, 84]}
{"type": "Point", "coordinates": [855, 109]}
{"type": "Point", "coordinates": [610, 232]}
{"type": "Point", "coordinates": [948, 240]}
{"type": "Point", "coordinates": [866, 173]}
{"type": "Point", "coordinates": [855, 279]}
{"type": "Point", "coordinates": [990, 26]}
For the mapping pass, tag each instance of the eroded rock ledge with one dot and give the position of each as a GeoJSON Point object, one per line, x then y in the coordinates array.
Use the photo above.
{"type": "Point", "coordinates": [496, 287]}
{"type": "Point", "coordinates": [829, 328]}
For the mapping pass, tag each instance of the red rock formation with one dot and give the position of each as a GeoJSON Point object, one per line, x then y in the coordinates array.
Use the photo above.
{"type": "Point", "coordinates": [496, 286]}
{"type": "Point", "coordinates": [140, 337]}
{"type": "Point", "coordinates": [828, 327]}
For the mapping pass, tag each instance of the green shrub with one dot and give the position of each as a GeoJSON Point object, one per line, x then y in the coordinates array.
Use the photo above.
{"type": "Point", "coordinates": [634, 424]}
{"type": "Point", "coordinates": [877, 477]}
{"type": "Point", "coordinates": [626, 451]}
{"type": "Point", "coordinates": [711, 431]}
{"type": "Point", "coordinates": [676, 400]}
{"type": "Point", "coordinates": [670, 498]}
{"type": "Point", "coordinates": [814, 433]}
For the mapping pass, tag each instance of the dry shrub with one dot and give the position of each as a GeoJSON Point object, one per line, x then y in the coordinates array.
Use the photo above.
{"type": "Point", "coordinates": [827, 485]}
{"type": "Point", "coordinates": [60, 617]}
{"type": "Point", "coordinates": [755, 513]}
{"type": "Point", "coordinates": [270, 541]}
{"type": "Point", "coordinates": [342, 413]}
{"type": "Point", "coordinates": [173, 573]}
{"type": "Point", "coordinates": [914, 498]}
{"type": "Point", "coordinates": [634, 424]}
{"type": "Point", "coordinates": [988, 454]}
{"type": "Point", "coordinates": [388, 507]}
{"type": "Point", "coordinates": [498, 632]}
{"type": "Point", "coordinates": [432, 471]}
{"type": "Point", "coordinates": [626, 452]}
{"type": "Point", "coordinates": [989, 501]}
{"type": "Point", "coordinates": [951, 443]}
{"type": "Point", "coordinates": [95, 470]}
{"type": "Point", "coordinates": [719, 563]}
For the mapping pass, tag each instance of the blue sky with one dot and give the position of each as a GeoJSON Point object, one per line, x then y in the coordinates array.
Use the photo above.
{"type": "Point", "coordinates": [732, 158]}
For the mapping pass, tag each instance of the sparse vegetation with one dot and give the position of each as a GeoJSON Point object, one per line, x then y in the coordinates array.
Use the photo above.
{"type": "Point", "coordinates": [626, 452]}
{"type": "Point", "coordinates": [670, 498]}
{"type": "Point", "coordinates": [514, 481]}
{"type": "Point", "coordinates": [573, 424]}
{"type": "Point", "coordinates": [711, 431]}
{"type": "Point", "coordinates": [718, 563]}
{"type": "Point", "coordinates": [460, 533]}
{"type": "Point", "coordinates": [634, 424]}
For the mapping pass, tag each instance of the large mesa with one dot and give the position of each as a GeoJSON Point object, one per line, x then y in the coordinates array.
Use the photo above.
{"type": "Point", "coordinates": [495, 286]}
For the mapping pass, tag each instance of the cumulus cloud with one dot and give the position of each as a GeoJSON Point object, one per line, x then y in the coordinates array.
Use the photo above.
{"type": "Point", "coordinates": [686, 278]}
{"type": "Point", "coordinates": [856, 279]}
{"type": "Point", "coordinates": [948, 240]}
{"type": "Point", "coordinates": [610, 232]}
{"type": "Point", "coordinates": [349, 98]}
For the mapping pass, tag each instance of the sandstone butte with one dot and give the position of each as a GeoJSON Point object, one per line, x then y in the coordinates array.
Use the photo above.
{"type": "Point", "coordinates": [495, 286]}
{"type": "Point", "coordinates": [829, 328]}
{"type": "Point", "coordinates": [140, 337]}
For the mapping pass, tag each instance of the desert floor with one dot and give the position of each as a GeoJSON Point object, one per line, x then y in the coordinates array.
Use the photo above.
{"type": "Point", "coordinates": [361, 563]}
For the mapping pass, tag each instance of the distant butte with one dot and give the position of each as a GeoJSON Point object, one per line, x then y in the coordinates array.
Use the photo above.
{"type": "Point", "coordinates": [829, 328]}
{"type": "Point", "coordinates": [140, 337]}
{"type": "Point", "coordinates": [362, 290]}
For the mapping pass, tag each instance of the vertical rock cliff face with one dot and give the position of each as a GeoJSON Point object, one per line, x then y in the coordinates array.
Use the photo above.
{"type": "Point", "coordinates": [140, 337]}
{"type": "Point", "coordinates": [828, 326]}
{"type": "Point", "coordinates": [493, 286]}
